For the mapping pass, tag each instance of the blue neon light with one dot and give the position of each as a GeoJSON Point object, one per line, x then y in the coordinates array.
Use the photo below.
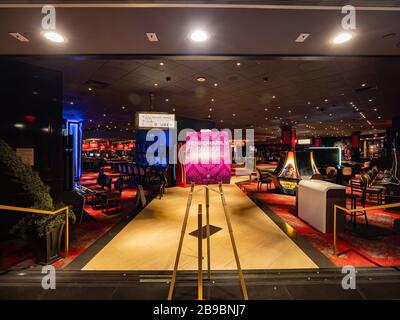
{"type": "Point", "coordinates": [74, 128]}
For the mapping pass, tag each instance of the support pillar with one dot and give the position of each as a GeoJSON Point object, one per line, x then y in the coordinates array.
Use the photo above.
{"type": "Point", "coordinates": [289, 138]}
{"type": "Point", "coordinates": [355, 146]}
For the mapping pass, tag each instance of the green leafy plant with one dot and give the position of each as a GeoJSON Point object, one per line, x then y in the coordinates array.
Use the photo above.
{"type": "Point", "coordinates": [37, 193]}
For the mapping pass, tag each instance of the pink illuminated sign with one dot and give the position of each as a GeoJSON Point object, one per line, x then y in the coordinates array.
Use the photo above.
{"type": "Point", "coordinates": [208, 157]}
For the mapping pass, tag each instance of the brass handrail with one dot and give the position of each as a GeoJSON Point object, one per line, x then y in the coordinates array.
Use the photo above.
{"type": "Point", "coordinates": [348, 211]}
{"type": "Point", "coordinates": [31, 210]}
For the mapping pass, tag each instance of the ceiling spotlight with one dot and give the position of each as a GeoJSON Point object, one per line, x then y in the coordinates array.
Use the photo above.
{"type": "Point", "coordinates": [199, 36]}
{"type": "Point", "coordinates": [342, 37]}
{"type": "Point", "coordinates": [238, 64]}
{"type": "Point", "coordinates": [156, 84]}
{"type": "Point", "coordinates": [173, 109]}
{"type": "Point", "coordinates": [19, 125]}
{"type": "Point", "coordinates": [215, 84]}
{"type": "Point", "coordinates": [123, 107]}
{"type": "Point", "coordinates": [54, 36]}
{"type": "Point", "coordinates": [166, 100]}
{"type": "Point", "coordinates": [90, 89]}
{"type": "Point", "coordinates": [161, 63]}
{"type": "Point", "coordinates": [273, 97]}
{"type": "Point", "coordinates": [201, 79]}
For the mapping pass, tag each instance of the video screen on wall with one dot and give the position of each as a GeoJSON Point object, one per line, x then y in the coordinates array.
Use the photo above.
{"type": "Point", "coordinates": [326, 157]}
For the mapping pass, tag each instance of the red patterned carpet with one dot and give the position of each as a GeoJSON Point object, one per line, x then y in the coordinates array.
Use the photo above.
{"type": "Point", "coordinates": [381, 247]}
{"type": "Point", "coordinates": [82, 235]}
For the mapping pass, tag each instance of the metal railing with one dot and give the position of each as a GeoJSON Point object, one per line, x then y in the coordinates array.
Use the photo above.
{"type": "Point", "coordinates": [38, 211]}
{"type": "Point", "coordinates": [349, 213]}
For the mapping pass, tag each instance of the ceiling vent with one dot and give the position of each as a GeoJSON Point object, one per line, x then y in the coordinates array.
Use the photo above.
{"type": "Point", "coordinates": [151, 36]}
{"type": "Point", "coordinates": [96, 84]}
{"type": "Point", "coordinates": [19, 37]}
{"type": "Point", "coordinates": [302, 37]}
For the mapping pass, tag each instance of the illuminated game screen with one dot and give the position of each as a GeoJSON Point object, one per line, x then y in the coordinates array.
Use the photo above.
{"type": "Point", "coordinates": [207, 157]}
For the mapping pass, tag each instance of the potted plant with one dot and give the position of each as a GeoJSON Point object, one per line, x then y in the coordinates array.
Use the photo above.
{"type": "Point", "coordinates": [46, 230]}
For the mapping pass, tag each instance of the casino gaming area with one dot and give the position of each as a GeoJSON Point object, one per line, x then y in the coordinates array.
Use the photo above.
{"type": "Point", "coordinates": [193, 158]}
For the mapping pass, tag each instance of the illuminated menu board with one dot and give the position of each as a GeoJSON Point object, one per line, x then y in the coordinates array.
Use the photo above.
{"type": "Point", "coordinates": [149, 120]}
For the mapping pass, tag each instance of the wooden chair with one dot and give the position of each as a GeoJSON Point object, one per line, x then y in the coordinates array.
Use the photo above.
{"type": "Point", "coordinates": [112, 197]}
{"type": "Point", "coordinates": [263, 177]}
{"type": "Point", "coordinates": [357, 194]}
{"type": "Point", "coordinates": [347, 174]}
{"type": "Point", "coordinates": [372, 191]}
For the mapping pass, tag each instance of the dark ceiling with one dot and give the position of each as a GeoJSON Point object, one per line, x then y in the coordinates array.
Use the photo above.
{"type": "Point", "coordinates": [99, 33]}
{"type": "Point", "coordinates": [328, 97]}
{"type": "Point", "coordinates": [234, 29]}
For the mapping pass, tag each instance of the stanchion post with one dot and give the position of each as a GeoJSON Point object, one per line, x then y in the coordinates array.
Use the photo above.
{"type": "Point", "coordinates": [208, 232]}
{"type": "Point", "coordinates": [334, 231]}
{"type": "Point", "coordinates": [178, 253]}
{"type": "Point", "coordinates": [66, 231]}
{"type": "Point", "coordinates": [200, 254]}
{"type": "Point", "coordinates": [228, 222]}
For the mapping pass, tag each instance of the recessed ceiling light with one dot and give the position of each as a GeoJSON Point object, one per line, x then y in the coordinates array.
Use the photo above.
{"type": "Point", "coordinates": [173, 109]}
{"type": "Point", "coordinates": [54, 36]}
{"type": "Point", "coordinates": [273, 97]}
{"type": "Point", "coordinates": [215, 84]}
{"type": "Point", "coordinates": [326, 100]}
{"type": "Point", "coordinates": [212, 99]}
{"type": "Point", "coordinates": [211, 109]}
{"type": "Point", "coordinates": [71, 102]}
{"type": "Point", "coordinates": [90, 89]}
{"type": "Point", "coordinates": [161, 63]}
{"type": "Point", "coordinates": [342, 37]}
{"type": "Point", "coordinates": [166, 100]}
{"type": "Point", "coordinates": [363, 85]}
{"type": "Point", "coordinates": [123, 107]}
{"type": "Point", "coordinates": [234, 114]}
{"type": "Point", "coordinates": [19, 125]}
{"type": "Point", "coordinates": [201, 79]}
{"type": "Point", "coordinates": [104, 115]}
{"type": "Point", "coordinates": [370, 100]}
{"type": "Point", "coordinates": [198, 35]}
{"type": "Point", "coordinates": [156, 84]}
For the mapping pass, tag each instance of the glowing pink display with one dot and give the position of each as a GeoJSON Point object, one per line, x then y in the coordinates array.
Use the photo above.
{"type": "Point", "coordinates": [208, 157]}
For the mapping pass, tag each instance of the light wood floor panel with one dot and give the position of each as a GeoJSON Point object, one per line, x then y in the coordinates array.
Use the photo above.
{"type": "Point", "coordinates": [150, 241]}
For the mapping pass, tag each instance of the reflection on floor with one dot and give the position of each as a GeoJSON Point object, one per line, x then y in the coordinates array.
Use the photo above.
{"type": "Point", "coordinates": [149, 242]}
{"type": "Point", "coordinates": [379, 245]}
